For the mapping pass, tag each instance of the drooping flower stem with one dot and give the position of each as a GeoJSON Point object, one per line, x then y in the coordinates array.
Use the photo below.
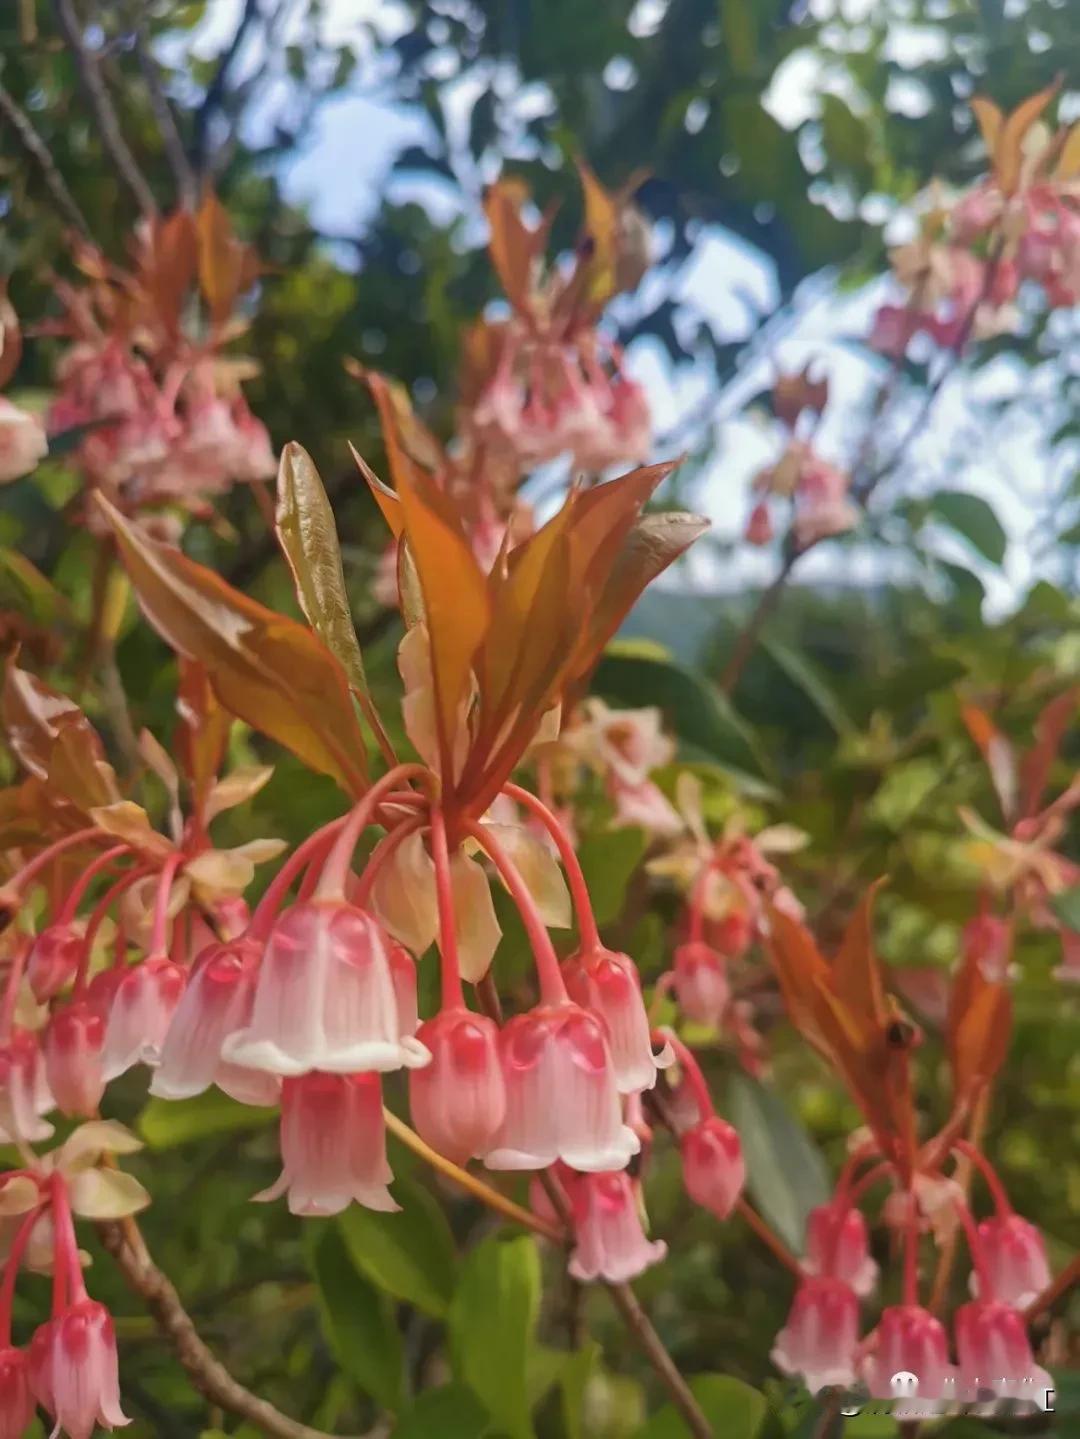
{"type": "Point", "coordinates": [82, 884]}
{"type": "Point", "coordinates": [911, 1251]}
{"type": "Point", "coordinates": [552, 988]}
{"type": "Point", "coordinates": [975, 1156]}
{"type": "Point", "coordinates": [336, 869]}
{"type": "Point", "coordinates": [691, 1069]}
{"type": "Point", "coordinates": [11, 990]}
{"type": "Point", "coordinates": [308, 851]}
{"type": "Point", "coordinates": [53, 851]}
{"type": "Point", "coordinates": [975, 1249]}
{"type": "Point", "coordinates": [579, 890]}
{"type": "Point", "coordinates": [11, 1272]}
{"type": "Point", "coordinates": [452, 995]}
{"type": "Point", "coordinates": [485, 1193]}
{"type": "Point", "coordinates": [160, 928]}
{"type": "Point", "coordinates": [381, 854]}
{"type": "Point", "coordinates": [97, 918]}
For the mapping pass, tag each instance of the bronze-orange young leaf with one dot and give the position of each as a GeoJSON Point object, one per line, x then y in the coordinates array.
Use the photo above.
{"type": "Point", "coordinates": [265, 668]}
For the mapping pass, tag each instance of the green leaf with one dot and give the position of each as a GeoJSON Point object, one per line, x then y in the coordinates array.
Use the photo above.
{"type": "Point", "coordinates": [1067, 908]}
{"type": "Point", "coordinates": [492, 1322]}
{"type": "Point", "coordinates": [803, 673]}
{"type": "Point", "coordinates": [733, 1408]}
{"type": "Point", "coordinates": [410, 1254]}
{"type": "Point", "coordinates": [695, 711]}
{"type": "Point", "coordinates": [358, 1320]}
{"type": "Point", "coordinates": [974, 519]}
{"type": "Point", "coordinates": [786, 1175]}
{"type": "Point", "coordinates": [165, 1123]}
{"type": "Point", "coordinates": [450, 1412]}
{"type": "Point", "coordinates": [574, 1381]}
{"type": "Point", "coordinates": [609, 860]}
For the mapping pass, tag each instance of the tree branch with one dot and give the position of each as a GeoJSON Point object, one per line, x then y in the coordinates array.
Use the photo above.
{"type": "Point", "coordinates": [215, 91]}
{"type": "Point", "coordinates": [123, 1241]}
{"type": "Point", "coordinates": [1066, 1281]}
{"type": "Point", "coordinates": [35, 148]}
{"type": "Point", "coordinates": [171, 141]}
{"type": "Point", "coordinates": [104, 114]}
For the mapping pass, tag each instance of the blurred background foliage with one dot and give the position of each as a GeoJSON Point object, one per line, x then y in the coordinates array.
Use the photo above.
{"type": "Point", "coordinates": [846, 722]}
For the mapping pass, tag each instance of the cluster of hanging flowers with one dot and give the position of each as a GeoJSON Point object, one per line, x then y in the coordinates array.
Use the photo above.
{"type": "Point", "coordinates": [546, 382]}
{"type": "Point", "coordinates": [906, 1356]}
{"type": "Point", "coordinates": [1019, 225]}
{"type": "Point", "coordinates": [145, 381]}
{"type": "Point", "coordinates": [815, 492]}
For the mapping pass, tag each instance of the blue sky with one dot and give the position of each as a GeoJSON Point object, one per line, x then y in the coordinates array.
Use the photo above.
{"type": "Point", "coordinates": [341, 173]}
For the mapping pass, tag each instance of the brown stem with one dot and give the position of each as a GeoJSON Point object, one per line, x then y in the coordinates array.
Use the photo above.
{"type": "Point", "coordinates": [769, 1237]}
{"type": "Point", "coordinates": [963, 1176]}
{"type": "Point", "coordinates": [744, 646]}
{"type": "Point", "coordinates": [123, 1241]}
{"type": "Point", "coordinates": [97, 96]}
{"type": "Point", "coordinates": [1067, 1280]}
{"type": "Point", "coordinates": [171, 141]}
{"type": "Point", "coordinates": [35, 148]}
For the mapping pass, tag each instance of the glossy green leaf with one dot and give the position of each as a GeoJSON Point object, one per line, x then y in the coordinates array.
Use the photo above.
{"type": "Point", "coordinates": [786, 1174]}
{"type": "Point", "coordinates": [973, 518]}
{"type": "Point", "coordinates": [358, 1320]}
{"type": "Point", "coordinates": [1067, 907]}
{"type": "Point", "coordinates": [574, 1383]}
{"type": "Point", "coordinates": [165, 1123]}
{"type": "Point", "coordinates": [450, 1412]}
{"type": "Point", "coordinates": [806, 675]}
{"type": "Point", "coordinates": [695, 710]}
{"type": "Point", "coordinates": [609, 861]}
{"type": "Point", "coordinates": [492, 1324]}
{"type": "Point", "coordinates": [409, 1254]}
{"type": "Point", "coordinates": [734, 1409]}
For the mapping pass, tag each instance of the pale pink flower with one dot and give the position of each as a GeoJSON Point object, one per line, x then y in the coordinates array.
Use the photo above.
{"type": "Point", "coordinates": [562, 1098]}
{"type": "Point", "coordinates": [216, 1003]}
{"type": "Point", "coordinates": [759, 527]}
{"type": "Point", "coordinates": [85, 1384]}
{"type": "Point", "coordinates": [909, 1340]}
{"type": "Point", "coordinates": [140, 1015]}
{"type": "Point", "coordinates": [25, 1096]}
{"type": "Point", "coordinates": [73, 1044]}
{"type": "Point", "coordinates": [458, 1101]}
{"type": "Point", "coordinates": [994, 1353]}
{"type": "Point", "coordinates": [1015, 1258]}
{"type": "Point", "coordinates": [333, 1145]}
{"type": "Point", "coordinates": [325, 998]}
{"type": "Point", "coordinates": [837, 1245]}
{"type": "Point", "coordinates": [16, 1400]}
{"type": "Point", "coordinates": [53, 960]}
{"type": "Point", "coordinates": [645, 806]}
{"type": "Point", "coordinates": [609, 985]}
{"type": "Point", "coordinates": [610, 1241]}
{"type": "Point", "coordinates": [701, 985]}
{"type": "Point", "coordinates": [820, 1337]}
{"type": "Point", "coordinates": [22, 442]}
{"type": "Point", "coordinates": [714, 1170]}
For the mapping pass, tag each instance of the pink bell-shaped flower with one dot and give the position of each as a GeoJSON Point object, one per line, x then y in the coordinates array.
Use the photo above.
{"type": "Point", "coordinates": [820, 1337]}
{"type": "Point", "coordinates": [140, 1015]}
{"type": "Point", "coordinates": [714, 1171]}
{"type": "Point", "coordinates": [608, 984]}
{"type": "Point", "coordinates": [701, 984]}
{"type": "Point", "coordinates": [403, 973]}
{"type": "Point", "coordinates": [324, 998]}
{"type": "Point", "coordinates": [16, 1400]}
{"type": "Point", "coordinates": [458, 1101]}
{"type": "Point", "coordinates": [995, 1354]}
{"type": "Point", "coordinates": [333, 1144]}
{"type": "Point", "coordinates": [54, 959]}
{"type": "Point", "coordinates": [1014, 1255]}
{"type": "Point", "coordinates": [562, 1100]}
{"type": "Point", "coordinates": [216, 1002]}
{"type": "Point", "coordinates": [25, 1096]}
{"type": "Point", "coordinates": [837, 1244]}
{"type": "Point", "coordinates": [611, 1243]}
{"type": "Point", "coordinates": [85, 1384]}
{"type": "Point", "coordinates": [73, 1045]}
{"type": "Point", "coordinates": [910, 1341]}
{"type": "Point", "coordinates": [39, 1365]}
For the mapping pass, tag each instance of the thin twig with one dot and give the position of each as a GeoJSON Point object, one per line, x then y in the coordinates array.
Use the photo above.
{"type": "Point", "coordinates": [768, 601]}
{"type": "Point", "coordinates": [1066, 1281]}
{"type": "Point", "coordinates": [123, 1241]}
{"type": "Point", "coordinates": [37, 150]}
{"type": "Point", "coordinates": [469, 1182]}
{"type": "Point", "coordinates": [215, 91]}
{"type": "Point", "coordinates": [97, 96]}
{"type": "Point", "coordinates": [171, 141]}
